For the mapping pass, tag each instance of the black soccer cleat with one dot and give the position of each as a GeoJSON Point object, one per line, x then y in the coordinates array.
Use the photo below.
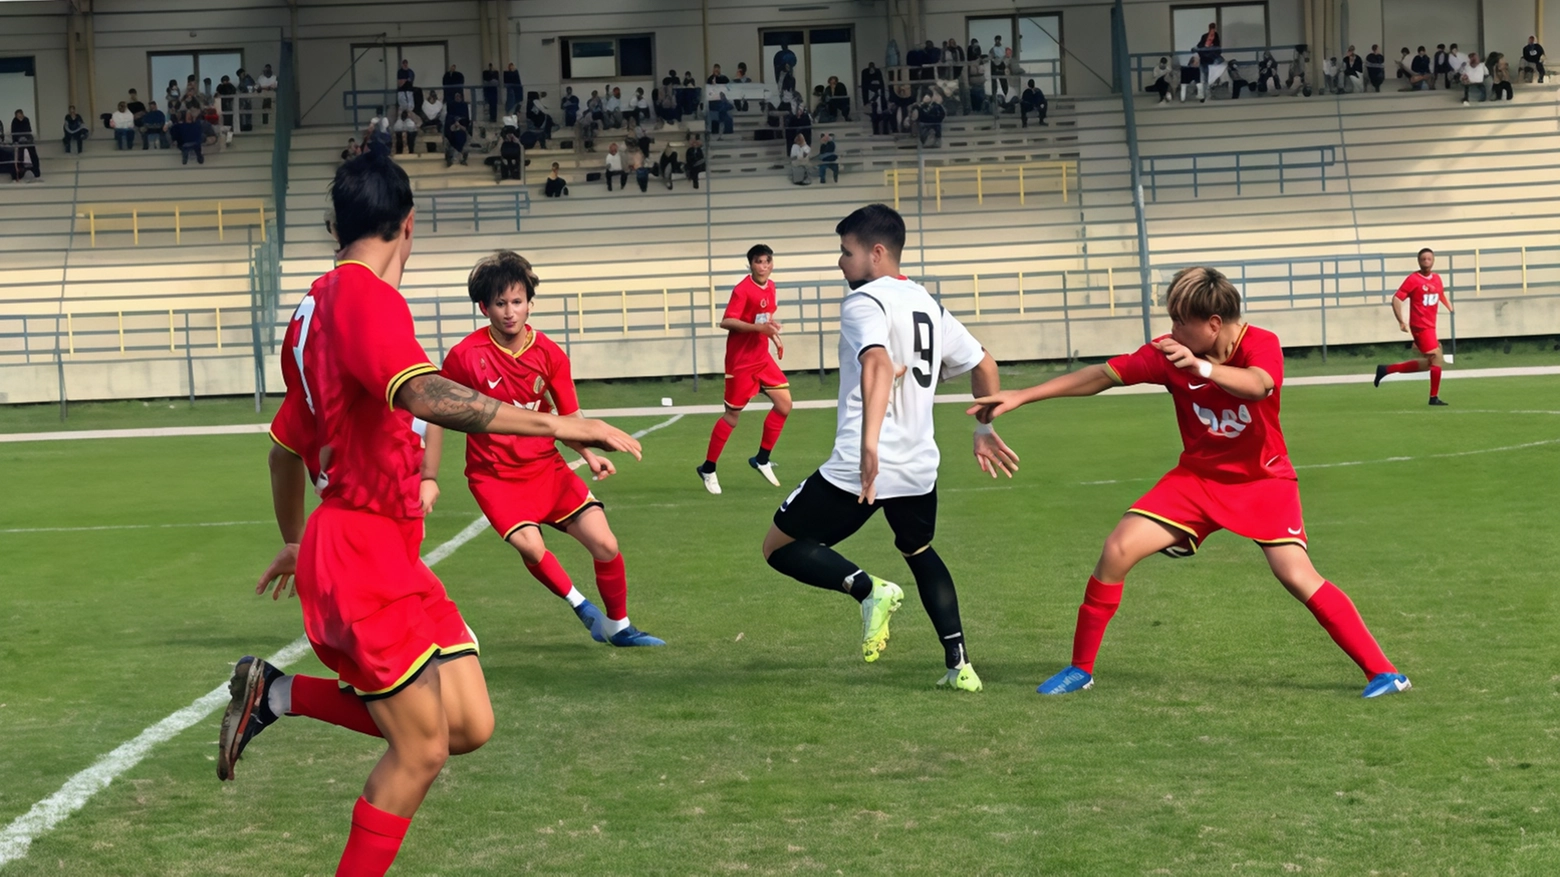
{"type": "Point", "coordinates": [248, 713]}
{"type": "Point", "coordinates": [1381, 372]}
{"type": "Point", "coordinates": [1436, 400]}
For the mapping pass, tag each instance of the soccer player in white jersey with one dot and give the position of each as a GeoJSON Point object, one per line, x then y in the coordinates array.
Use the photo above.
{"type": "Point", "coordinates": [896, 343]}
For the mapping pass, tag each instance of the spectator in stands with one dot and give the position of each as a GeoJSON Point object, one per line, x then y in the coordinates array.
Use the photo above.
{"type": "Point", "coordinates": [688, 94]}
{"type": "Point", "coordinates": [787, 80]}
{"type": "Point", "coordinates": [1420, 76]}
{"type": "Point", "coordinates": [266, 85]}
{"type": "Point", "coordinates": [433, 111]}
{"type": "Point", "coordinates": [1454, 62]}
{"type": "Point", "coordinates": [929, 121]}
{"type": "Point", "coordinates": [872, 79]}
{"type": "Point", "coordinates": [1405, 68]}
{"type": "Point", "coordinates": [742, 76]}
{"type": "Point", "coordinates": [639, 163]}
{"type": "Point", "coordinates": [539, 116]}
{"type": "Point", "coordinates": [1296, 81]}
{"type": "Point", "coordinates": [613, 105]}
{"type": "Point", "coordinates": [671, 78]}
{"type": "Point", "coordinates": [881, 109]}
{"type": "Point", "coordinates": [693, 160]}
{"type": "Point", "coordinates": [76, 131]}
{"type": "Point", "coordinates": [1375, 68]}
{"type": "Point", "coordinates": [458, 109]}
{"type": "Point", "coordinates": [589, 121]}
{"type": "Point", "coordinates": [136, 108]}
{"type": "Point", "coordinates": [666, 106]}
{"type": "Point", "coordinates": [1474, 76]}
{"type": "Point", "coordinates": [972, 54]}
{"type": "Point", "coordinates": [904, 107]}
{"type": "Point", "coordinates": [454, 82]}
{"type": "Point", "coordinates": [1332, 77]}
{"type": "Point", "coordinates": [822, 112]}
{"type": "Point", "coordinates": [839, 98]}
{"type": "Point", "coordinates": [801, 157]}
{"type": "Point", "coordinates": [490, 81]}
{"type": "Point", "coordinates": [641, 107]}
{"type": "Point", "coordinates": [208, 95]}
{"type": "Point", "coordinates": [1533, 57]}
{"type": "Point", "coordinates": [891, 60]}
{"type": "Point", "coordinates": [1191, 76]}
{"type": "Point", "coordinates": [191, 136]}
{"type": "Point", "coordinates": [1207, 54]}
{"type": "Point", "coordinates": [405, 130]}
{"type": "Point", "coordinates": [513, 92]}
{"type": "Point", "coordinates": [1267, 74]}
{"type": "Point", "coordinates": [153, 126]}
{"type": "Point", "coordinates": [352, 151]}
{"type": "Point", "coordinates": [799, 124]}
{"type": "Point", "coordinates": [1500, 76]}
{"type": "Point", "coordinates": [614, 165]}
{"type": "Point", "coordinates": [456, 141]}
{"type": "Point", "coordinates": [173, 96]}
{"type": "Point", "coordinates": [507, 163]}
{"type": "Point", "coordinates": [1353, 70]}
{"type": "Point", "coordinates": [556, 186]}
{"type": "Point", "coordinates": [1442, 66]}
{"type": "Point", "coordinates": [227, 92]}
{"type": "Point", "coordinates": [930, 56]}
{"type": "Point", "coordinates": [406, 96]}
{"type": "Point", "coordinates": [26, 149]}
{"type": "Point", "coordinates": [642, 140]}
{"type": "Point", "coordinates": [1238, 81]}
{"type": "Point", "coordinates": [828, 158]}
{"type": "Point", "coordinates": [405, 74]}
{"type": "Point", "coordinates": [570, 106]}
{"type": "Point", "coordinates": [1033, 101]}
{"type": "Point", "coordinates": [667, 165]}
{"type": "Point", "coordinates": [719, 114]}
{"type": "Point", "coordinates": [785, 61]}
{"type": "Point", "coordinates": [380, 122]}
{"type": "Point", "coordinates": [246, 85]}
{"type": "Point", "coordinates": [123, 123]}
{"type": "Point", "coordinates": [1161, 83]}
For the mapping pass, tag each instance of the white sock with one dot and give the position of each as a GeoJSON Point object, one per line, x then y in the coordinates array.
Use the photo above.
{"type": "Point", "coordinates": [574, 597]}
{"type": "Point", "coordinates": [611, 626]}
{"type": "Point", "coordinates": [280, 697]}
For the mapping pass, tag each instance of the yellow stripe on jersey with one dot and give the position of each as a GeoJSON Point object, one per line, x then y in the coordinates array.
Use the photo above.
{"type": "Point", "coordinates": [1115, 376]}
{"type": "Point", "coordinates": [404, 375]}
{"type": "Point", "coordinates": [530, 341]}
{"type": "Point", "coordinates": [283, 445]}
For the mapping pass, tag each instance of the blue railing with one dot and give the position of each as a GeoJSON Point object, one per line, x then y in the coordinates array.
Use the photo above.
{"type": "Point", "coordinates": [281, 145]}
{"type": "Point", "coordinates": [1142, 64]}
{"type": "Point", "coordinates": [476, 205]}
{"type": "Point", "coordinates": [1241, 164]}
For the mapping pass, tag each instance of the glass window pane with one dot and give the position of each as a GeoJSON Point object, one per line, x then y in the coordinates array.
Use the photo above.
{"type": "Point", "coordinates": [428, 63]}
{"type": "Point", "coordinates": [166, 67]}
{"type": "Point", "coordinates": [1243, 27]}
{"type": "Point", "coordinates": [825, 59]}
{"type": "Point", "coordinates": [217, 65]}
{"type": "Point", "coordinates": [773, 41]}
{"type": "Point", "coordinates": [592, 59]}
{"type": "Point", "coordinates": [1040, 55]}
{"type": "Point", "coordinates": [1189, 23]}
{"type": "Point", "coordinates": [987, 30]}
{"type": "Point", "coordinates": [637, 56]}
{"type": "Point", "coordinates": [17, 93]}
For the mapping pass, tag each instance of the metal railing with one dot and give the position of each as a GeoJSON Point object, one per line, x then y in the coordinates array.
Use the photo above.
{"type": "Point", "coordinates": [1044, 173]}
{"type": "Point", "coordinates": [475, 205]}
{"type": "Point", "coordinates": [281, 146]}
{"type": "Point", "coordinates": [1241, 164]}
{"type": "Point", "coordinates": [134, 216]}
{"type": "Point", "coordinates": [1141, 64]}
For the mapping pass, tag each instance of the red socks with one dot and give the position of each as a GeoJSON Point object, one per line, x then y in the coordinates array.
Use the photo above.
{"type": "Point", "coordinates": [550, 573]}
{"type": "Point", "coordinates": [1435, 380]}
{"type": "Point", "coordinates": [375, 839]}
{"type": "Point", "coordinates": [1413, 365]}
{"type": "Point", "coordinates": [326, 701]}
{"type": "Point", "coordinates": [1336, 613]}
{"type": "Point", "coordinates": [612, 582]}
{"type": "Point", "coordinates": [718, 436]}
{"type": "Point", "coordinates": [1099, 605]}
{"type": "Point", "coordinates": [773, 423]}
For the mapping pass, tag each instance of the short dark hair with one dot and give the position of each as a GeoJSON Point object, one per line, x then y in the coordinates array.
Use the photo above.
{"type": "Point", "coordinates": [759, 250]}
{"type": "Point", "coordinates": [370, 195]}
{"type": "Point", "coordinates": [497, 273]}
{"type": "Point", "coordinates": [875, 224]}
{"type": "Point", "coordinates": [1422, 252]}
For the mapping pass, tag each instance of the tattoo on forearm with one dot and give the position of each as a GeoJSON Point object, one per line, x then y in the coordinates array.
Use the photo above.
{"type": "Point", "coordinates": [451, 405]}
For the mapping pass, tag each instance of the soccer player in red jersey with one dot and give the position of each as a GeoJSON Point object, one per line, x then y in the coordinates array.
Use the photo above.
{"type": "Point", "coordinates": [1234, 473]}
{"type": "Point", "coordinates": [521, 482]}
{"type": "Point", "coordinates": [374, 613]}
{"type": "Point", "coordinates": [750, 318]}
{"type": "Point", "coordinates": [1424, 293]}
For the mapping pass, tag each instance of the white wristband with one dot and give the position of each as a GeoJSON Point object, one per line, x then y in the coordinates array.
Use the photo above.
{"type": "Point", "coordinates": [1205, 369]}
{"type": "Point", "coordinates": [983, 429]}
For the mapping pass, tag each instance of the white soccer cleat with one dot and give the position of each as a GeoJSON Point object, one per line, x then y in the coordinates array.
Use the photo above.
{"type": "Point", "coordinates": [765, 469]}
{"type": "Point", "coordinates": [711, 482]}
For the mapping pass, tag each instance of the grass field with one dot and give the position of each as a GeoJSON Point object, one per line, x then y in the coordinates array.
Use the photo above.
{"type": "Point", "coordinates": [1225, 733]}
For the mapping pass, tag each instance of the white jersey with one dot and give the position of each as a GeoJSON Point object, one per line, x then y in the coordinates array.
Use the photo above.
{"type": "Point", "coordinates": [931, 345]}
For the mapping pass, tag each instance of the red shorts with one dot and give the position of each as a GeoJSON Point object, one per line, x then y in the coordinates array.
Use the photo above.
{"type": "Point", "coordinates": [745, 383]}
{"type": "Point", "coordinates": [544, 492]}
{"type": "Point", "coordinates": [374, 612]}
{"type": "Point", "coordinates": [1266, 511]}
{"type": "Point", "coordinates": [1425, 340]}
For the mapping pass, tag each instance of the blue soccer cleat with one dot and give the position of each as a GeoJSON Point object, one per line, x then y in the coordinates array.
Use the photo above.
{"type": "Point", "coordinates": [1066, 682]}
{"type": "Point", "coordinates": [591, 617]}
{"type": "Point", "coordinates": [1386, 683]}
{"type": "Point", "coordinates": [631, 636]}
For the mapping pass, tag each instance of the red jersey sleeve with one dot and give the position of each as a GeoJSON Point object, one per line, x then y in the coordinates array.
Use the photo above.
{"type": "Point", "coordinates": [293, 430]}
{"type": "Point", "coordinates": [455, 367]}
{"type": "Point", "coordinates": [1404, 287]}
{"type": "Point", "coordinates": [381, 350]}
{"type": "Point", "coordinates": [737, 308]}
{"type": "Point", "coordinates": [1146, 365]}
{"type": "Point", "coordinates": [1265, 353]}
{"type": "Point", "coordinates": [560, 383]}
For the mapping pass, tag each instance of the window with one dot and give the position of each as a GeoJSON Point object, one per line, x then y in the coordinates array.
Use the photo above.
{"type": "Point", "coordinates": [607, 57]}
{"type": "Point", "coordinates": [1034, 37]}
{"type": "Point", "coordinates": [17, 92]}
{"type": "Point", "coordinates": [1241, 25]}
{"type": "Point", "coordinates": [820, 52]}
{"type": "Point", "coordinates": [178, 67]}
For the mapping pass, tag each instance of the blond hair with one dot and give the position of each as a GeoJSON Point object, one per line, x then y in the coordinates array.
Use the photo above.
{"type": "Point", "coordinates": [1199, 293]}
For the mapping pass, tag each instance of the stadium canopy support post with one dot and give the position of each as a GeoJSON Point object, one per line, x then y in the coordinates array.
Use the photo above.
{"type": "Point", "coordinates": [189, 358]}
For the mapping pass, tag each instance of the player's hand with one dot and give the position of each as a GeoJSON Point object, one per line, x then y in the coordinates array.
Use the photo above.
{"type": "Point", "coordinates": [1177, 353]}
{"type": "Point", "coordinates": [869, 471]}
{"type": "Point", "coordinates": [779, 349]}
{"type": "Point", "coordinates": [428, 495]}
{"type": "Point", "coordinates": [600, 467]}
{"type": "Point", "coordinates": [280, 573]}
{"type": "Point", "coordinates": [600, 435]}
{"type": "Point", "coordinates": [992, 453]}
{"type": "Point", "coordinates": [770, 329]}
{"type": "Point", "coordinates": [989, 408]}
{"type": "Point", "coordinates": [1403, 327]}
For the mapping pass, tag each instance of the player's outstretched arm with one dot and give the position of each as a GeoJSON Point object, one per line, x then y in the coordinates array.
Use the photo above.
{"type": "Point", "coordinates": [433, 452]}
{"type": "Point", "coordinates": [289, 479]}
{"type": "Point", "coordinates": [1245, 383]}
{"type": "Point", "coordinates": [441, 401]}
{"type": "Point", "coordinates": [1088, 381]}
{"type": "Point", "coordinates": [991, 452]}
{"type": "Point", "coordinates": [600, 467]}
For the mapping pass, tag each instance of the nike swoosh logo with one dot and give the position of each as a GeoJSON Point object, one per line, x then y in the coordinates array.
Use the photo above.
{"type": "Point", "coordinates": [1195, 386]}
{"type": "Point", "coordinates": [495, 382]}
{"type": "Point", "coordinates": [1295, 531]}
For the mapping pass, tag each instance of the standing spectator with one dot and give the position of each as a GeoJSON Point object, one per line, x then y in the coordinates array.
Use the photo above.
{"type": "Point", "coordinates": [742, 76]}
{"type": "Point", "coordinates": [556, 186]}
{"type": "Point", "coordinates": [801, 157]}
{"type": "Point", "coordinates": [666, 165]}
{"type": "Point", "coordinates": [1207, 54]}
{"type": "Point", "coordinates": [246, 85]}
{"type": "Point", "coordinates": [1454, 63]}
{"type": "Point", "coordinates": [614, 165]}
{"type": "Point", "coordinates": [693, 160]}
{"type": "Point", "coordinates": [454, 83]}
{"type": "Point", "coordinates": [405, 130]}
{"type": "Point", "coordinates": [75, 131]}
{"type": "Point", "coordinates": [839, 98]}
{"type": "Point", "coordinates": [456, 141]}
{"type": "Point", "coordinates": [719, 114]}
{"type": "Point", "coordinates": [406, 96]}
{"type": "Point", "coordinates": [613, 106]}
{"type": "Point", "coordinates": [785, 61]}
{"type": "Point", "coordinates": [226, 91]}
{"type": "Point", "coordinates": [872, 79]}
{"type": "Point", "coordinates": [1500, 76]}
{"type": "Point", "coordinates": [1421, 78]}
{"type": "Point", "coordinates": [1474, 75]}
{"type": "Point", "coordinates": [405, 74]}
{"type": "Point", "coordinates": [828, 159]}
{"type": "Point", "coordinates": [539, 116]}
{"type": "Point", "coordinates": [570, 106]}
{"type": "Point", "coordinates": [891, 60]}
{"type": "Point", "coordinates": [190, 136]}
{"type": "Point", "coordinates": [1442, 69]}
{"type": "Point", "coordinates": [123, 123]}
{"type": "Point", "coordinates": [26, 148]}
{"type": "Point", "coordinates": [136, 108]}
{"type": "Point", "coordinates": [929, 120]}
{"type": "Point", "coordinates": [490, 81]}
{"type": "Point", "coordinates": [1267, 74]}
{"type": "Point", "coordinates": [882, 111]}
{"type": "Point", "coordinates": [1164, 76]}
{"type": "Point", "coordinates": [154, 125]}
{"type": "Point", "coordinates": [1376, 68]}
{"type": "Point", "coordinates": [513, 94]}
{"type": "Point", "coordinates": [1033, 101]}
{"type": "Point", "coordinates": [266, 85]}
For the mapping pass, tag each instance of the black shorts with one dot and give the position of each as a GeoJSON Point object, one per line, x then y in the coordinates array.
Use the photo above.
{"type": "Point", "coordinates": [818, 510]}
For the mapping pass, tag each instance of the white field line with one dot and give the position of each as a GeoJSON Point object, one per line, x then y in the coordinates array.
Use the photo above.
{"type": "Point", "coordinates": [17, 837]}
{"type": "Point", "coordinates": [131, 527]}
{"type": "Point", "coordinates": [758, 405]}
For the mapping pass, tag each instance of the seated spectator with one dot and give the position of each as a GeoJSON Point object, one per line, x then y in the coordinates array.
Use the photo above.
{"type": "Point", "coordinates": [208, 95]}
{"type": "Point", "coordinates": [1296, 82]}
{"type": "Point", "coordinates": [376, 142]}
{"type": "Point", "coordinates": [433, 111]}
{"type": "Point", "coordinates": [588, 123]}
{"type": "Point", "coordinates": [640, 166]}
{"type": "Point", "coordinates": [822, 112]}
{"type": "Point", "coordinates": [642, 139]}
{"type": "Point", "coordinates": [1420, 76]}
{"type": "Point", "coordinates": [490, 79]}
{"type": "Point", "coordinates": [693, 160]}
{"type": "Point", "coordinates": [688, 94]}
{"type": "Point", "coordinates": [881, 109]}
{"type": "Point", "coordinates": [405, 130]}
{"type": "Point", "coordinates": [1191, 76]}
{"type": "Point", "coordinates": [612, 107]}
{"type": "Point", "coordinates": [613, 162]}
{"type": "Point", "coordinates": [26, 150]}
{"type": "Point", "coordinates": [136, 108]}
{"type": "Point", "coordinates": [839, 99]}
{"type": "Point", "coordinates": [352, 151]}
{"type": "Point", "coordinates": [1033, 101]}
{"type": "Point", "coordinates": [173, 96]}
{"type": "Point", "coordinates": [1332, 77]}
{"type": "Point", "coordinates": [226, 92]}
{"type": "Point", "coordinates": [667, 165]}
{"type": "Point", "coordinates": [666, 107]}
{"type": "Point", "coordinates": [872, 79]}
{"type": "Point", "coordinates": [1375, 68]}
{"type": "Point", "coordinates": [904, 106]}
{"type": "Point", "coordinates": [742, 76]}
{"type": "Point", "coordinates": [799, 124]}
{"type": "Point", "coordinates": [190, 136]}
{"type": "Point", "coordinates": [75, 131]}
{"type": "Point", "coordinates": [1267, 74]}
{"type": "Point", "coordinates": [556, 186]}
{"type": "Point", "coordinates": [509, 155]}
{"type": "Point", "coordinates": [1454, 65]}
{"type": "Point", "coordinates": [1500, 76]}
{"type": "Point", "coordinates": [641, 106]}
{"type": "Point", "coordinates": [570, 106]}
{"type": "Point", "coordinates": [929, 119]}
{"type": "Point", "coordinates": [719, 115]}
{"type": "Point", "coordinates": [1237, 79]}
{"type": "Point", "coordinates": [1532, 60]}
{"type": "Point", "coordinates": [458, 109]}
{"type": "Point", "coordinates": [1353, 72]}
{"type": "Point", "coordinates": [123, 123]}
{"type": "Point", "coordinates": [456, 142]}
{"type": "Point", "coordinates": [828, 159]}
{"type": "Point", "coordinates": [1475, 76]}
{"type": "Point", "coordinates": [153, 126]}
{"type": "Point", "coordinates": [406, 96]}
{"type": "Point", "coordinates": [1163, 81]}
{"type": "Point", "coordinates": [801, 157]}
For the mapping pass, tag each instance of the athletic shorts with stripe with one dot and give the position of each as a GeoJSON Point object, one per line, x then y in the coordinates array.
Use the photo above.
{"type": "Point", "coordinates": [374, 612]}
{"type": "Point", "coordinates": [1426, 341]}
{"type": "Point", "coordinates": [543, 492]}
{"type": "Point", "coordinates": [1266, 511]}
{"type": "Point", "coordinates": [744, 384]}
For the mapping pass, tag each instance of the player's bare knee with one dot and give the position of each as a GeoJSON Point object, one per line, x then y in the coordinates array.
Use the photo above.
{"type": "Point", "coordinates": [604, 549]}
{"type": "Point", "coordinates": [731, 416]}
{"type": "Point", "coordinates": [774, 540]}
{"type": "Point", "coordinates": [475, 731]}
{"type": "Point", "coordinates": [528, 541]}
{"type": "Point", "coordinates": [783, 406]}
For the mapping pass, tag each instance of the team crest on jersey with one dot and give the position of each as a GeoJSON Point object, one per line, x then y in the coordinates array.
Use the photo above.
{"type": "Point", "coordinates": [537, 387]}
{"type": "Point", "coordinates": [763, 302]}
{"type": "Point", "coordinates": [1230, 424]}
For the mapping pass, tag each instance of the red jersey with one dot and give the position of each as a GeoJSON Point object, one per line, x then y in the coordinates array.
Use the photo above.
{"type": "Point", "coordinates": [1424, 299]}
{"type": "Point", "coordinates": [750, 303]}
{"type": "Point", "coordinates": [538, 378]}
{"type": "Point", "coordinates": [1225, 437]}
{"type": "Point", "coordinates": [352, 346]}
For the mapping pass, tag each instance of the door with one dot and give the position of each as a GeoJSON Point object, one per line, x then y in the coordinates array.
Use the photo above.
{"type": "Point", "coordinates": [429, 63]}
{"type": "Point", "coordinates": [831, 51]}
{"type": "Point", "coordinates": [17, 92]}
{"type": "Point", "coordinates": [773, 42]}
{"type": "Point", "coordinates": [1040, 51]}
{"type": "Point", "coordinates": [371, 78]}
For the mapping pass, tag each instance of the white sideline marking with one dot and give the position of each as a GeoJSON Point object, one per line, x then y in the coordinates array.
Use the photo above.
{"type": "Point", "coordinates": [952, 398]}
{"type": "Point", "coordinates": [130, 527]}
{"type": "Point", "coordinates": [17, 837]}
